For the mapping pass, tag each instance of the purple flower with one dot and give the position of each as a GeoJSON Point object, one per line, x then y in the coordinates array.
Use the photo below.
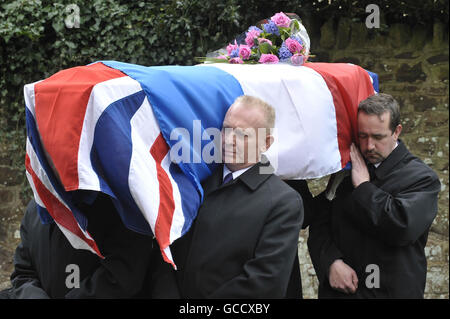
{"type": "Point", "coordinates": [264, 40]}
{"type": "Point", "coordinates": [234, 53]}
{"type": "Point", "coordinates": [281, 20]}
{"type": "Point", "coordinates": [296, 38]}
{"type": "Point", "coordinates": [284, 52]}
{"type": "Point", "coordinates": [244, 51]}
{"type": "Point", "coordinates": [254, 28]}
{"type": "Point", "coordinates": [268, 58]}
{"type": "Point", "coordinates": [251, 35]}
{"type": "Point", "coordinates": [293, 45]}
{"type": "Point", "coordinates": [231, 47]}
{"type": "Point", "coordinates": [298, 59]}
{"type": "Point", "coordinates": [237, 60]}
{"type": "Point", "coordinates": [271, 27]}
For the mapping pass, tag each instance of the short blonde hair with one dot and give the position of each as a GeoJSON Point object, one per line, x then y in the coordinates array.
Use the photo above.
{"type": "Point", "coordinates": [266, 108]}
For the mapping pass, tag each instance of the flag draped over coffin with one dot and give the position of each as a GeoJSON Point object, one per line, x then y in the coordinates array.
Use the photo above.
{"type": "Point", "coordinates": [109, 127]}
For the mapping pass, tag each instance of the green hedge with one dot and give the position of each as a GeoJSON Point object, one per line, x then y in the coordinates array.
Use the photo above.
{"type": "Point", "coordinates": [35, 42]}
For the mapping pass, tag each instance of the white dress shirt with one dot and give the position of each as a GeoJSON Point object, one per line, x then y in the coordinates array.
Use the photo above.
{"type": "Point", "coordinates": [378, 164]}
{"type": "Point", "coordinates": [235, 174]}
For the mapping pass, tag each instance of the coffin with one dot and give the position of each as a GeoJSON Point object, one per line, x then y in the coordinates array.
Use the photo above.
{"type": "Point", "coordinates": [148, 136]}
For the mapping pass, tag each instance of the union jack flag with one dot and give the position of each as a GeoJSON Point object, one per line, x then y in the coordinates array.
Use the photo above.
{"type": "Point", "coordinates": [107, 127]}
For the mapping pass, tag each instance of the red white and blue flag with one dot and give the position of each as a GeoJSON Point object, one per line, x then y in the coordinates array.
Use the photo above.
{"type": "Point", "coordinates": [109, 127]}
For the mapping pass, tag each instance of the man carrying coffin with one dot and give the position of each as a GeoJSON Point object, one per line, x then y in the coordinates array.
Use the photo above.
{"type": "Point", "coordinates": [47, 266]}
{"type": "Point", "coordinates": [243, 243]}
{"type": "Point", "coordinates": [369, 241]}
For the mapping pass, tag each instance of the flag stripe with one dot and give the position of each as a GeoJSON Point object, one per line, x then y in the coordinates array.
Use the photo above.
{"type": "Point", "coordinates": [142, 181]}
{"type": "Point", "coordinates": [181, 94]}
{"type": "Point", "coordinates": [349, 84]}
{"type": "Point", "coordinates": [166, 206]}
{"type": "Point", "coordinates": [73, 87]}
{"type": "Point", "coordinates": [103, 95]}
{"type": "Point", "coordinates": [305, 133]}
{"type": "Point", "coordinates": [60, 212]}
{"type": "Point", "coordinates": [29, 94]}
{"type": "Point", "coordinates": [37, 199]}
{"type": "Point", "coordinates": [189, 202]}
{"type": "Point", "coordinates": [41, 166]}
{"type": "Point", "coordinates": [147, 190]}
{"type": "Point", "coordinates": [111, 155]}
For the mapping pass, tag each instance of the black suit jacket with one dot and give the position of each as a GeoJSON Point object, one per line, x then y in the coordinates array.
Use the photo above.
{"type": "Point", "coordinates": [384, 222]}
{"type": "Point", "coordinates": [244, 241]}
{"type": "Point", "coordinates": [301, 187]}
{"type": "Point", "coordinates": [132, 266]}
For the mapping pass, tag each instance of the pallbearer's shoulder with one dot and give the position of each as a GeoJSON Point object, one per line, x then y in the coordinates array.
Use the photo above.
{"type": "Point", "coordinates": [419, 167]}
{"type": "Point", "coordinates": [279, 188]}
{"type": "Point", "coordinates": [416, 168]}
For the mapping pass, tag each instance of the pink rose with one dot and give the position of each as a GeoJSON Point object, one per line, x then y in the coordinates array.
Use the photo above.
{"type": "Point", "coordinates": [244, 51]}
{"type": "Point", "coordinates": [264, 40]}
{"type": "Point", "coordinates": [293, 45]}
{"type": "Point", "coordinates": [250, 37]}
{"type": "Point", "coordinates": [236, 61]}
{"type": "Point", "coordinates": [268, 58]}
{"type": "Point", "coordinates": [232, 47]}
{"type": "Point", "coordinates": [298, 59]}
{"type": "Point", "coordinates": [222, 57]}
{"type": "Point", "coordinates": [281, 20]}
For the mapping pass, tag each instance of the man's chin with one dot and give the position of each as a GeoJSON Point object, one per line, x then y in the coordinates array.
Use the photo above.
{"type": "Point", "coordinates": [233, 166]}
{"type": "Point", "coordinates": [374, 159]}
{"type": "Point", "coordinates": [229, 160]}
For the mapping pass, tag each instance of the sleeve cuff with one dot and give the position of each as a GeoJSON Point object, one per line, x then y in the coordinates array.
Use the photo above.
{"type": "Point", "coordinates": [329, 260]}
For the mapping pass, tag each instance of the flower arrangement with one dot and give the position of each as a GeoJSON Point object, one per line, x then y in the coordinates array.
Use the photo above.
{"type": "Point", "coordinates": [278, 40]}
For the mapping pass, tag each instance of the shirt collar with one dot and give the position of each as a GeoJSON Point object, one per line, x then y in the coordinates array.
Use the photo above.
{"type": "Point", "coordinates": [392, 160]}
{"type": "Point", "coordinates": [378, 164]}
{"type": "Point", "coordinates": [236, 174]}
{"type": "Point", "coordinates": [253, 178]}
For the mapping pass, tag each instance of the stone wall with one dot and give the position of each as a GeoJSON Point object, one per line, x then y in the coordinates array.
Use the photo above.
{"type": "Point", "coordinates": [412, 64]}
{"type": "Point", "coordinates": [12, 183]}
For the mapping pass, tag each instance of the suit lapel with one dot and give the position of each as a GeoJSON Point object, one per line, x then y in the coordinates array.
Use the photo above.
{"type": "Point", "coordinates": [252, 178]}
{"type": "Point", "coordinates": [392, 160]}
{"type": "Point", "coordinates": [213, 182]}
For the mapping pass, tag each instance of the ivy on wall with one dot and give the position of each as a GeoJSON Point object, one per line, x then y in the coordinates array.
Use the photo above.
{"type": "Point", "coordinates": [35, 40]}
{"type": "Point", "coordinates": [38, 38]}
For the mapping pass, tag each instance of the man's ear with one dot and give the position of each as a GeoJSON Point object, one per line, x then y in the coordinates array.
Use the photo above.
{"type": "Point", "coordinates": [397, 131]}
{"type": "Point", "coordinates": [269, 141]}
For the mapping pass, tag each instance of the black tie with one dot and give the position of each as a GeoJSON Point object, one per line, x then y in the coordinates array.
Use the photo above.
{"type": "Point", "coordinates": [228, 178]}
{"type": "Point", "coordinates": [371, 169]}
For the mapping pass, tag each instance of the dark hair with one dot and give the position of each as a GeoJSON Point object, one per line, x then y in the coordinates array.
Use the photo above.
{"type": "Point", "coordinates": [380, 103]}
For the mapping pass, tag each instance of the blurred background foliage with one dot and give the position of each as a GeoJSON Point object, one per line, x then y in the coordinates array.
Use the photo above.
{"type": "Point", "coordinates": [35, 41]}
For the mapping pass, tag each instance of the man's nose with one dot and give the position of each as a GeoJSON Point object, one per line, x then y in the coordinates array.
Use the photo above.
{"type": "Point", "coordinates": [370, 144]}
{"type": "Point", "coordinates": [229, 136]}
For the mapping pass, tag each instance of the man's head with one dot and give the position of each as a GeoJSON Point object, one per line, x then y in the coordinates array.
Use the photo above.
{"type": "Point", "coordinates": [378, 126]}
{"type": "Point", "coordinates": [246, 132]}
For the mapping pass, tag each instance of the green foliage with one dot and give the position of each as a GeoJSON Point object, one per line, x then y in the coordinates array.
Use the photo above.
{"type": "Point", "coordinates": [36, 42]}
